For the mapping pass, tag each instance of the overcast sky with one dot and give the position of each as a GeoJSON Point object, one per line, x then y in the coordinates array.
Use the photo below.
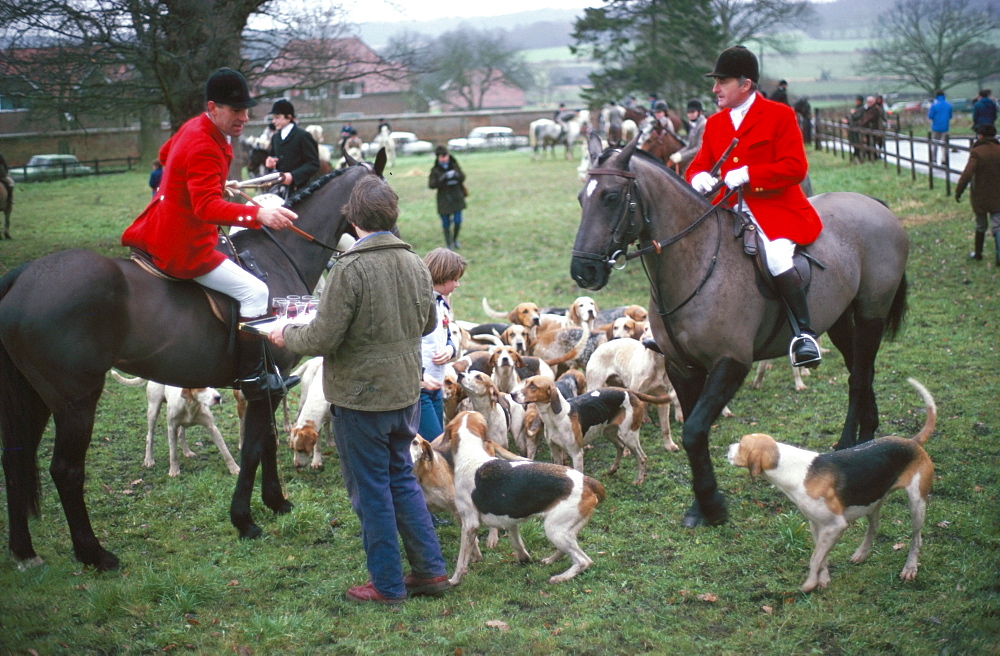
{"type": "Point", "coordinates": [365, 11]}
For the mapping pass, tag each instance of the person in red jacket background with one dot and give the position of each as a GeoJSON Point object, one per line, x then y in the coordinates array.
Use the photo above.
{"type": "Point", "coordinates": [769, 163]}
{"type": "Point", "coordinates": [179, 227]}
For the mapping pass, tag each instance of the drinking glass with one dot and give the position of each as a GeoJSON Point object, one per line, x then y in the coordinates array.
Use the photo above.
{"type": "Point", "coordinates": [293, 301]}
{"type": "Point", "coordinates": [280, 305]}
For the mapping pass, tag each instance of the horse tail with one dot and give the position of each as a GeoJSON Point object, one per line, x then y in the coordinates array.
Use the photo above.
{"type": "Point", "coordinates": [533, 134]}
{"type": "Point", "coordinates": [23, 416]}
{"type": "Point", "coordinates": [897, 312]}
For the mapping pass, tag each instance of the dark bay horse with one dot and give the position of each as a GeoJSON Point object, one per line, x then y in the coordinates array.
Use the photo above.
{"type": "Point", "coordinates": [710, 312]}
{"type": "Point", "coordinates": [69, 317]}
{"type": "Point", "coordinates": [662, 143]}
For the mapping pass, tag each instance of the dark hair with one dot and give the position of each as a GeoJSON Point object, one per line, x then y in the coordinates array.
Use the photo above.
{"type": "Point", "coordinates": [445, 265]}
{"type": "Point", "coordinates": [986, 130]}
{"type": "Point", "coordinates": [441, 150]}
{"type": "Point", "coordinates": [938, 92]}
{"type": "Point", "coordinates": [373, 205]}
{"type": "Point", "coordinates": [985, 93]}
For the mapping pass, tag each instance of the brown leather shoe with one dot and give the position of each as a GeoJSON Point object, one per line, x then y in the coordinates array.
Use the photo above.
{"type": "Point", "coordinates": [367, 592]}
{"type": "Point", "coordinates": [433, 587]}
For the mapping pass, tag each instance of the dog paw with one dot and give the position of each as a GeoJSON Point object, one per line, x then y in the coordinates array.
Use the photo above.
{"type": "Point", "coordinates": [908, 574]}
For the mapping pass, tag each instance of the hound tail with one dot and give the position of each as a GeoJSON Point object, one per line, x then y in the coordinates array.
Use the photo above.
{"type": "Point", "coordinates": [493, 313]}
{"type": "Point", "coordinates": [925, 432]}
{"type": "Point", "coordinates": [131, 382]}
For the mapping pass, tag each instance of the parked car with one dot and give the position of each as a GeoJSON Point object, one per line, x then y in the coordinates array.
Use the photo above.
{"type": "Point", "coordinates": [50, 167]}
{"type": "Point", "coordinates": [489, 137]}
{"type": "Point", "coordinates": [407, 143]}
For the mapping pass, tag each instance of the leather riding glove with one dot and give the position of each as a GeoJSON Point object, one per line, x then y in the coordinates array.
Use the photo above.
{"type": "Point", "coordinates": [737, 177]}
{"type": "Point", "coordinates": [703, 182]}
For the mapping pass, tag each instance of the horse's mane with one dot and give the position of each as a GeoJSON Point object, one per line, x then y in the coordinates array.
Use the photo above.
{"type": "Point", "coordinates": [643, 155]}
{"type": "Point", "coordinates": [313, 187]}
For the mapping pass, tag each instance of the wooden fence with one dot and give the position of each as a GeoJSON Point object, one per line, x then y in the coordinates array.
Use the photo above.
{"type": "Point", "coordinates": [907, 150]}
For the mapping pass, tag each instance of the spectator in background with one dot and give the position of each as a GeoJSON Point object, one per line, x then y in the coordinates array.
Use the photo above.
{"type": "Point", "coordinates": [853, 120]}
{"type": "Point", "coordinates": [984, 110]}
{"type": "Point", "coordinates": [447, 177]}
{"type": "Point", "coordinates": [293, 151]}
{"type": "Point", "coordinates": [983, 171]}
{"type": "Point", "coordinates": [346, 132]}
{"type": "Point", "coordinates": [382, 123]}
{"type": "Point", "coordinates": [940, 117]}
{"type": "Point", "coordinates": [652, 101]}
{"type": "Point", "coordinates": [8, 183]}
{"type": "Point", "coordinates": [781, 93]}
{"type": "Point", "coordinates": [871, 120]}
{"type": "Point", "coordinates": [696, 130]}
{"type": "Point", "coordinates": [803, 111]}
{"type": "Point", "coordinates": [155, 176]}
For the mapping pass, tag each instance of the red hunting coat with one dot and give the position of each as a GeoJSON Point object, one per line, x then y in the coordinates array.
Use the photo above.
{"type": "Point", "coordinates": [771, 148]}
{"type": "Point", "coordinates": [179, 226]}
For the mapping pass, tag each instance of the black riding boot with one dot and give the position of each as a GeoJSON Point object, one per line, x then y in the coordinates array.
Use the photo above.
{"type": "Point", "coordinates": [977, 254]}
{"type": "Point", "coordinates": [252, 375]}
{"type": "Point", "coordinates": [447, 237]}
{"type": "Point", "coordinates": [454, 237]}
{"type": "Point", "coordinates": [804, 349]}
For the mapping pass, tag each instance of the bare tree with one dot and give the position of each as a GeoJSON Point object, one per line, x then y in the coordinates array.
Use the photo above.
{"type": "Point", "coordinates": [935, 44]}
{"type": "Point", "coordinates": [463, 64]}
{"type": "Point", "coordinates": [128, 58]}
{"type": "Point", "coordinates": [740, 21]}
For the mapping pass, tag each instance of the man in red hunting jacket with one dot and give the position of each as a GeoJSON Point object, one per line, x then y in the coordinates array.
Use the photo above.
{"type": "Point", "coordinates": [179, 227]}
{"type": "Point", "coordinates": [769, 163]}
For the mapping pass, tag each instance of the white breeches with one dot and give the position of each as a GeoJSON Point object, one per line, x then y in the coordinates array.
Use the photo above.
{"type": "Point", "coordinates": [779, 251]}
{"type": "Point", "coordinates": [232, 280]}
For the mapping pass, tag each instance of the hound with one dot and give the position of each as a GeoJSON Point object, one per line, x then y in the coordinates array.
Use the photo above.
{"type": "Point", "coordinates": [502, 494]}
{"type": "Point", "coordinates": [834, 489]}
{"type": "Point", "coordinates": [186, 407]}
{"type": "Point", "coordinates": [314, 415]}
{"type": "Point", "coordinates": [503, 416]}
{"type": "Point", "coordinates": [571, 424]}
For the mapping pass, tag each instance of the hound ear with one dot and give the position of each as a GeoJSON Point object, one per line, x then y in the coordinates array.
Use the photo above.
{"type": "Point", "coordinates": [753, 464]}
{"type": "Point", "coordinates": [555, 403]}
{"type": "Point", "coordinates": [186, 394]}
{"type": "Point", "coordinates": [518, 360]}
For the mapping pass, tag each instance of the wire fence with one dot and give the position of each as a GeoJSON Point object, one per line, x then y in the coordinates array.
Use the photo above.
{"type": "Point", "coordinates": [943, 159]}
{"type": "Point", "coordinates": [61, 169]}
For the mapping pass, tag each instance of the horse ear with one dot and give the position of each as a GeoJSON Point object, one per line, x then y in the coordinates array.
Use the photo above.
{"type": "Point", "coordinates": [347, 158]}
{"type": "Point", "coordinates": [380, 159]}
{"type": "Point", "coordinates": [628, 151]}
{"type": "Point", "coordinates": [595, 147]}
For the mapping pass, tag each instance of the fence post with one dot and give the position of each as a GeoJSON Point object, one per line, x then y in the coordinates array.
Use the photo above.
{"type": "Point", "coordinates": [913, 159]}
{"type": "Point", "coordinates": [947, 165]}
{"type": "Point", "coordinates": [930, 163]}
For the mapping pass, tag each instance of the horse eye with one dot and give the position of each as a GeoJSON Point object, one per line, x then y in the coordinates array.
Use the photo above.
{"type": "Point", "coordinates": [611, 198]}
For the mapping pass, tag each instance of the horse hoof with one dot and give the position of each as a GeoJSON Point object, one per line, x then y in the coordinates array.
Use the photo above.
{"type": "Point", "coordinates": [284, 508]}
{"type": "Point", "coordinates": [252, 532]}
{"type": "Point", "coordinates": [692, 520]}
{"type": "Point", "coordinates": [104, 561]}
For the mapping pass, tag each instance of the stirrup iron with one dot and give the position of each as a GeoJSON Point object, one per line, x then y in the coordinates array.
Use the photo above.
{"type": "Point", "coordinates": [804, 339]}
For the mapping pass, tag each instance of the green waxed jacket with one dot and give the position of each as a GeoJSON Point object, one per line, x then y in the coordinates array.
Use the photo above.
{"type": "Point", "coordinates": [377, 304]}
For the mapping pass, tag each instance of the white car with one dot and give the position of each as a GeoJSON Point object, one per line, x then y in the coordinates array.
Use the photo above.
{"type": "Point", "coordinates": [50, 167]}
{"type": "Point", "coordinates": [489, 137]}
{"type": "Point", "coordinates": [407, 143]}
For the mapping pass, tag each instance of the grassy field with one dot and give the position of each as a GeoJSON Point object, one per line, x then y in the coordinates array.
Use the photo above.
{"type": "Point", "coordinates": [188, 585]}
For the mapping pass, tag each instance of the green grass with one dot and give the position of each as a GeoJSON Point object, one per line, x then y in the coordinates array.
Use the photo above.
{"type": "Point", "coordinates": [188, 585]}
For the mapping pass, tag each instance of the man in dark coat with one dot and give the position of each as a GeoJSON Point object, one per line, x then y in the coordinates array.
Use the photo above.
{"type": "Point", "coordinates": [983, 171]}
{"type": "Point", "coordinates": [293, 152]}
{"type": "Point", "coordinates": [447, 177]}
{"type": "Point", "coordinates": [781, 93]}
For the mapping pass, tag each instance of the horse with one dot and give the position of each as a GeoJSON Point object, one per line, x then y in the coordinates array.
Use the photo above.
{"type": "Point", "coordinates": [7, 205]}
{"type": "Point", "coordinates": [325, 151]}
{"type": "Point", "coordinates": [384, 139]}
{"type": "Point", "coordinates": [351, 151]}
{"type": "Point", "coordinates": [714, 315]}
{"type": "Point", "coordinates": [255, 151]}
{"type": "Point", "coordinates": [67, 318]}
{"type": "Point", "coordinates": [661, 143]}
{"type": "Point", "coordinates": [545, 133]}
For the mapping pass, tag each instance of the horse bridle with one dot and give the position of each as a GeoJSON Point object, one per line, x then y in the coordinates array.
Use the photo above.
{"type": "Point", "coordinates": [625, 224]}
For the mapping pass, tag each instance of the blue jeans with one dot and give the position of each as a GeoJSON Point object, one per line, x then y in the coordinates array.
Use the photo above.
{"type": "Point", "coordinates": [446, 219]}
{"type": "Point", "coordinates": [431, 414]}
{"type": "Point", "coordinates": [374, 449]}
